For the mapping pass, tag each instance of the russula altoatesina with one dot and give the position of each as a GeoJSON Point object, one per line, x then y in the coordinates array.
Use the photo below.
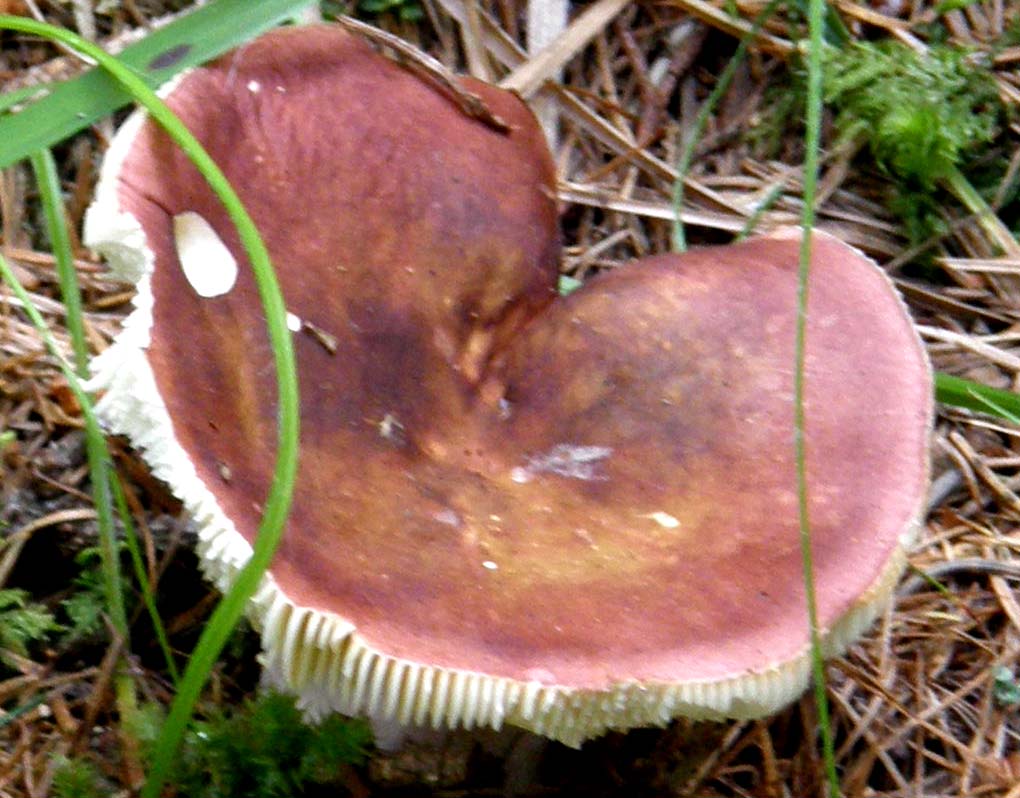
{"type": "Point", "coordinates": [567, 514]}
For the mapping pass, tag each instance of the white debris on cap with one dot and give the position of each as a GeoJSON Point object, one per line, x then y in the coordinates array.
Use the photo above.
{"type": "Point", "coordinates": [208, 265]}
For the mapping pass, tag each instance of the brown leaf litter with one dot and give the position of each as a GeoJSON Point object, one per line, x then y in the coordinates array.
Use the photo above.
{"type": "Point", "coordinates": [915, 706]}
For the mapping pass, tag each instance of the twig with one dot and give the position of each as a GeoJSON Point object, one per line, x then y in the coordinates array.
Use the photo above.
{"type": "Point", "coordinates": [966, 565]}
{"type": "Point", "coordinates": [530, 76]}
{"type": "Point", "coordinates": [427, 67]}
{"type": "Point", "coordinates": [14, 543]}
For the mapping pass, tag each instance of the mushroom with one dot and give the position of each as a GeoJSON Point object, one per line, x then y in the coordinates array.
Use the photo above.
{"type": "Point", "coordinates": [569, 514]}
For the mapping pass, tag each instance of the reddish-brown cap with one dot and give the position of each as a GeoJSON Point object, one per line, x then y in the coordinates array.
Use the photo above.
{"type": "Point", "coordinates": [568, 515]}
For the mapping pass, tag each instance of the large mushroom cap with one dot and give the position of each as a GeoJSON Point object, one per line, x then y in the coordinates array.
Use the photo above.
{"type": "Point", "coordinates": [569, 515]}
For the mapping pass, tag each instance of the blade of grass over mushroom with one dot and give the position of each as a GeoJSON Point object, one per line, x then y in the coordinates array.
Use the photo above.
{"type": "Point", "coordinates": [687, 153]}
{"type": "Point", "coordinates": [812, 146]}
{"type": "Point", "coordinates": [277, 504]}
{"type": "Point", "coordinates": [971, 395]}
{"type": "Point", "coordinates": [75, 104]}
{"type": "Point", "coordinates": [98, 457]}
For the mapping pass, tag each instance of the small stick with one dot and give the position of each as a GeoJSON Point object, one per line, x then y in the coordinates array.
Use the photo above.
{"type": "Point", "coordinates": [325, 339]}
{"type": "Point", "coordinates": [425, 66]}
{"type": "Point", "coordinates": [966, 565]}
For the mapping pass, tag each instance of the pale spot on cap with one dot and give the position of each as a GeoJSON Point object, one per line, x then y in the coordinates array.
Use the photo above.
{"type": "Point", "coordinates": [665, 520]}
{"type": "Point", "coordinates": [207, 263]}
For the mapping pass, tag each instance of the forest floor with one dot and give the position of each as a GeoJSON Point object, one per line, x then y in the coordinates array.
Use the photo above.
{"type": "Point", "coordinates": [927, 704]}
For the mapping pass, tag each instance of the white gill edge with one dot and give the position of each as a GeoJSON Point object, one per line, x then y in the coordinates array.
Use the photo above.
{"type": "Point", "coordinates": [319, 656]}
{"type": "Point", "coordinates": [118, 235]}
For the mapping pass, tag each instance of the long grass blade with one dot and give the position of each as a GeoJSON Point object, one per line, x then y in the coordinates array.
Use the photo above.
{"type": "Point", "coordinates": [277, 504]}
{"type": "Point", "coordinates": [104, 481]}
{"type": "Point", "coordinates": [188, 41]}
{"type": "Point", "coordinates": [812, 145]}
{"type": "Point", "coordinates": [95, 445]}
{"type": "Point", "coordinates": [45, 169]}
{"type": "Point", "coordinates": [95, 449]}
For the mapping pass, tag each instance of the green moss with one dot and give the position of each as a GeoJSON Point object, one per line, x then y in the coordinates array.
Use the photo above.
{"type": "Point", "coordinates": [923, 116]}
{"type": "Point", "coordinates": [1005, 687]}
{"type": "Point", "coordinates": [76, 777]}
{"type": "Point", "coordinates": [403, 10]}
{"type": "Point", "coordinates": [263, 750]}
{"type": "Point", "coordinates": [86, 607]}
{"type": "Point", "coordinates": [22, 623]}
{"type": "Point", "coordinates": [921, 113]}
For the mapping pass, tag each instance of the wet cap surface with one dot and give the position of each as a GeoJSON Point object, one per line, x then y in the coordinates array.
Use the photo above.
{"type": "Point", "coordinates": [586, 493]}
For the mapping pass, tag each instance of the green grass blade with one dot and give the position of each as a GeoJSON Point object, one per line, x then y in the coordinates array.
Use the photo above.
{"type": "Point", "coordinates": [277, 504]}
{"type": "Point", "coordinates": [18, 96]}
{"type": "Point", "coordinates": [142, 577]}
{"type": "Point", "coordinates": [95, 445]}
{"type": "Point", "coordinates": [707, 107]}
{"type": "Point", "coordinates": [834, 30]}
{"type": "Point", "coordinates": [46, 177]}
{"type": "Point", "coordinates": [971, 395]}
{"type": "Point", "coordinates": [95, 450]}
{"type": "Point", "coordinates": [193, 39]}
{"type": "Point", "coordinates": [763, 207]}
{"type": "Point", "coordinates": [105, 484]}
{"type": "Point", "coordinates": [812, 145]}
